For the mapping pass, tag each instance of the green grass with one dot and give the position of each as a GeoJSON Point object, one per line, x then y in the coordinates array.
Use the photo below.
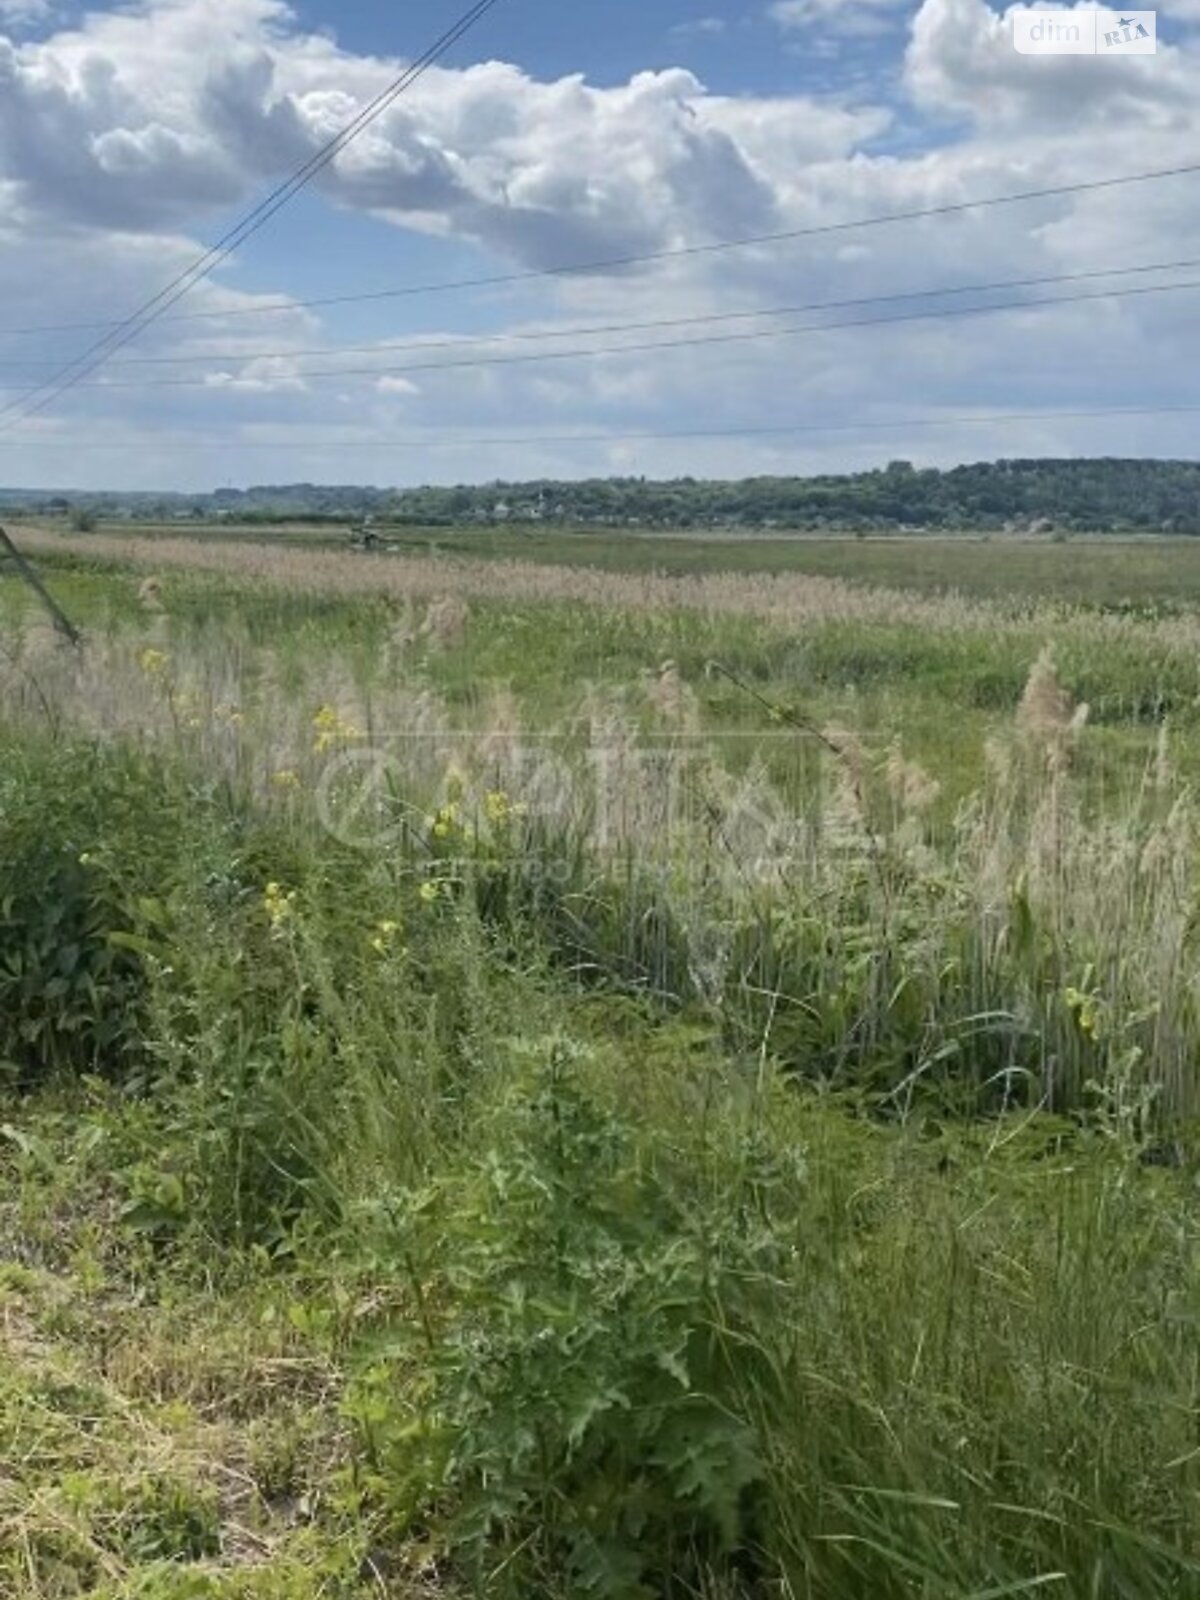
{"type": "Point", "coordinates": [1108, 572]}
{"type": "Point", "coordinates": [507, 1209]}
{"type": "Point", "coordinates": [159, 1438]}
{"type": "Point", "coordinates": [944, 1360]}
{"type": "Point", "coordinates": [1085, 570]}
{"type": "Point", "coordinates": [941, 692]}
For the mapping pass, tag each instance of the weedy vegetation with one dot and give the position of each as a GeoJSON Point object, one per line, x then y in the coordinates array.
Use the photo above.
{"type": "Point", "coordinates": [523, 1081]}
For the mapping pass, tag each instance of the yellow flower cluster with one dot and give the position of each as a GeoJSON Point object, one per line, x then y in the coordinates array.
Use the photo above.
{"type": "Point", "coordinates": [449, 824]}
{"type": "Point", "coordinates": [154, 663]}
{"type": "Point", "coordinates": [285, 778]}
{"type": "Point", "coordinates": [444, 823]}
{"type": "Point", "coordinates": [1086, 1006]}
{"type": "Point", "coordinates": [332, 728]}
{"type": "Point", "coordinates": [384, 942]}
{"type": "Point", "coordinates": [499, 809]}
{"type": "Point", "coordinates": [279, 906]}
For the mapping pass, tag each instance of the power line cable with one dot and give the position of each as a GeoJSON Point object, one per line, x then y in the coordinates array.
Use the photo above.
{"type": "Point", "coordinates": [382, 346]}
{"type": "Point", "coordinates": [541, 356]}
{"type": "Point", "coordinates": [509, 441]}
{"type": "Point", "coordinates": [250, 224]}
{"type": "Point", "coordinates": [610, 263]}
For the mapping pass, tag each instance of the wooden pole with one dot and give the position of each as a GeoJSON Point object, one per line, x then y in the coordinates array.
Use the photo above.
{"type": "Point", "coordinates": [57, 615]}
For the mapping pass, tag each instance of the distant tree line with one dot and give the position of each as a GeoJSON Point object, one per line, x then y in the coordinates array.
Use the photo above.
{"type": "Point", "coordinates": [1037, 496]}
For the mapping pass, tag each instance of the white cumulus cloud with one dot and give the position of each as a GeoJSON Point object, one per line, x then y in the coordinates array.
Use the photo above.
{"type": "Point", "coordinates": [144, 118]}
{"type": "Point", "coordinates": [124, 137]}
{"type": "Point", "coordinates": [840, 16]}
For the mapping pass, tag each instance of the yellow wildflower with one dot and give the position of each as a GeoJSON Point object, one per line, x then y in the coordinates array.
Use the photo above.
{"type": "Point", "coordinates": [285, 778]}
{"type": "Point", "coordinates": [445, 821]}
{"type": "Point", "coordinates": [331, 728]}
{"type": "Point", "coordinates": [1086, 1008]}
{"type": "Point", "coordinates": [385, 940]}
{"type": "Point", "coordinates": [279, 906]}
{"type": "Point", "coordinates": [430, 893]}
{"type": "Point", "coordinates": [499, 809]}
{"type": "Point", "coordinates": [154, 663]}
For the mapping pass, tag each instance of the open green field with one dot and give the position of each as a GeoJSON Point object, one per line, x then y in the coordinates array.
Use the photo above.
{"type": "Point", "coordinates": [1083, 571]}
{"type": "Point", "coordinates": [665, 1073]}
{"type": "Point", "coordinates": [1108, 572]}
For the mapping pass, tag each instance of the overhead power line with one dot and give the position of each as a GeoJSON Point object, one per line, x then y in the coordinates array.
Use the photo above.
{"type": "Point", "coordinates": [445, 441]}
{"type": "Point", "coordinates": [613, 263]}
{"type": "Point", "coordinates": [154, 308]}
{"type": "Point", "coordinates": [577, 331]}
{"type": "Point", "coordinates": [642, 348]}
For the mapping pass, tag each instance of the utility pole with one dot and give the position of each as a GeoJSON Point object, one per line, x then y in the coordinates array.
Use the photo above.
{"type": "Point", "coordinates": [57, 615]}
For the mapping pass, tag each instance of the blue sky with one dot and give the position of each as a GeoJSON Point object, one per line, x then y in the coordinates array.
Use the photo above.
{"type": "Point", "coordinates": [733, 50]}
{"type": "Point", "coordinates": [131, 135]}
{"type": "Point", "coordinates": [610, 41]}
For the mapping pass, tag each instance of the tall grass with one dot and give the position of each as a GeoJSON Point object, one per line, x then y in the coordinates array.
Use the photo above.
{"type": "Point", "coordinates": [1034, 943]}
{"type": "Point", "coordinates": [788, 599]}
{"type": "Point", "coordinates": [709, 1172]}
